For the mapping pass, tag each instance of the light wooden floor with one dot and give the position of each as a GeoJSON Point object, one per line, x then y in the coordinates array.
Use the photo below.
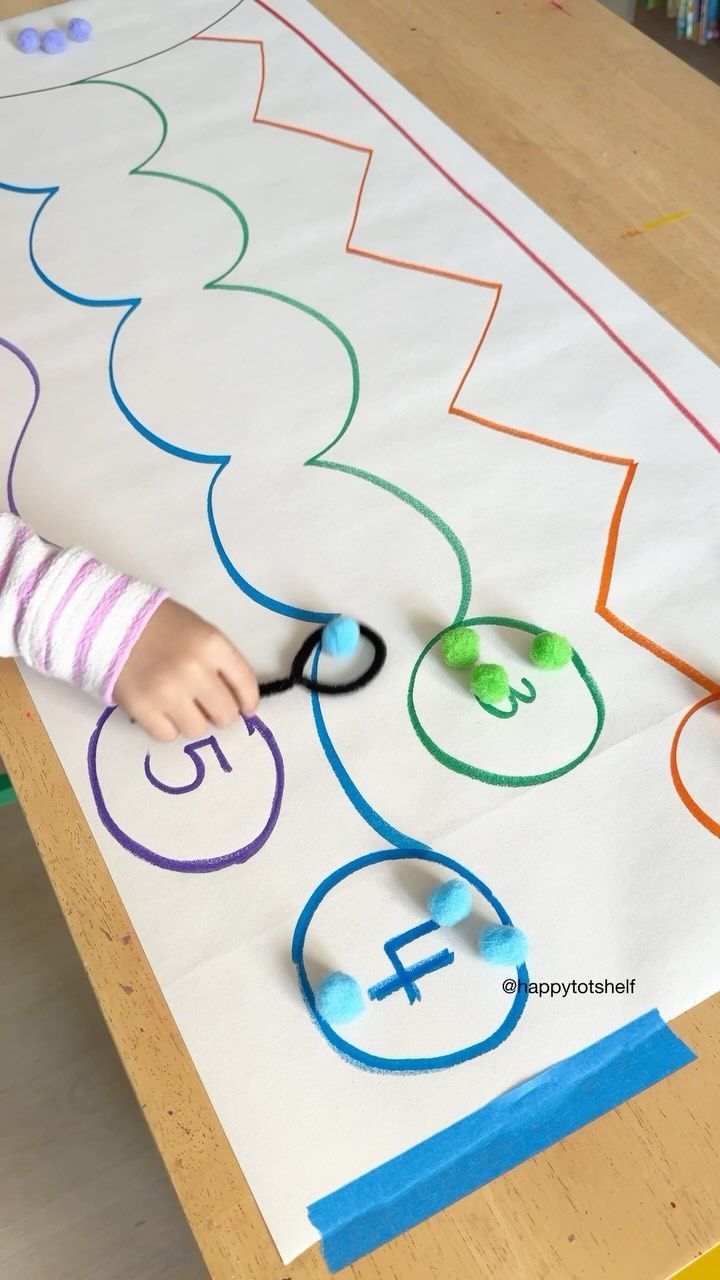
{"type": "Point", "coordinates": [83, 1194]}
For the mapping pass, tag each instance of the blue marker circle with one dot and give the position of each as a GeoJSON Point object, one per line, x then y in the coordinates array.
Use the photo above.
{"type": "Point", "coordinates": [338, 1041]}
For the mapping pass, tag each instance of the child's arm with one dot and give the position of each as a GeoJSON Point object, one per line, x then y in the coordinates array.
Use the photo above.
{"type": "Point", "coordinates": [69, 616]}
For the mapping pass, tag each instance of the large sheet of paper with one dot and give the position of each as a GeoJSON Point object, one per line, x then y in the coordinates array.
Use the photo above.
{"type": "Point", "coordinates": [300, 351]}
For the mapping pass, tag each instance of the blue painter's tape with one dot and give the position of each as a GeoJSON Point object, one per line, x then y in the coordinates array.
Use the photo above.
{"type": "Point", "coordinates": [397, 1195]}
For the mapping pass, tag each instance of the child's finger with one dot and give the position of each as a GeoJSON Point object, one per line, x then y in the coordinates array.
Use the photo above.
{"type": "Point", "coordinates": [189, 718]}
{"type": "Point", "coordinates": [240, 679]}
{"type": "Point", "coordinates": [217, 701]}
{"type": "Point", "coordinates": [157, 725]}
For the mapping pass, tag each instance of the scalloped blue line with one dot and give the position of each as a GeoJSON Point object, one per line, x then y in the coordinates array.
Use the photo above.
{"type": "Point", "coordinates": [220, 461]}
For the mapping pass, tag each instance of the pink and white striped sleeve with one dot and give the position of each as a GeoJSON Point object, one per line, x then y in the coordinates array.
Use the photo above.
{"type": "Point", "coordinates": [66, 614]}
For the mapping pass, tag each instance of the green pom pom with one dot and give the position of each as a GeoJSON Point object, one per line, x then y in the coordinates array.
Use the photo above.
{"type": "Point", "coordinates": [490, 683]}
{"type": "Point", "coordinates": [550, 651]}
{"type": "Point", "coordinates": [461, 647]}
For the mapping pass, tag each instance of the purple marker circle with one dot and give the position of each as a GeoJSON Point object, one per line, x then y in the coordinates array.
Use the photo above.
{"type": "Point", "coordinates": [242, 854]}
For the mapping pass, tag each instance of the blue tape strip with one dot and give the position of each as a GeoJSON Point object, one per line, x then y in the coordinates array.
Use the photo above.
{"type": "Point", "coordinates": [397, 1195]}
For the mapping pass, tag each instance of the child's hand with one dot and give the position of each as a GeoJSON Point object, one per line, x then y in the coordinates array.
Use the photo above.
{"type": "Point", "coordinates": [181, 674]}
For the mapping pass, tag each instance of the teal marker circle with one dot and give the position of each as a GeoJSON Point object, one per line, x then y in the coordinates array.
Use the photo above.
{"type": "Point", "coordinates": [341, 1040]}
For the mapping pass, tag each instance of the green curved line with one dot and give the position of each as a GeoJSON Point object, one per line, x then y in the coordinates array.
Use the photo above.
{"type": "Point", "coordinates": [530, 696]}
{"type": "Point", "coordinates": [515, 697]}
{"type": "Point", "coordinates": [119, 84]}
{"type": "Point", "coordinates": [437, 521]}
{"type": "Point", "coordinates": [337, 332]}
{"type": "Point", "coordinates": [498, 711]}
{"type": "Point", "coordinates": [317, 460]}
{"type": "Point", "coordinates": [141, 170]}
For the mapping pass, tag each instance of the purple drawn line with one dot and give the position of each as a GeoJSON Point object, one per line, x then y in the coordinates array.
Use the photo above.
{"type": "Point", "coordinates": [9, 346]}
{"type": "Point", "coordinates": [253, 724]}
{"type": "Point", "coordinates": [193, 751]}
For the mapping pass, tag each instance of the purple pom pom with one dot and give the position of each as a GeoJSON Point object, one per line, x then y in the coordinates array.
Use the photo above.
{"type": "Point", "coordinates": [79, 29]}
{"type": "Point", "coordinates": [28, 40]}
{"type": "Point", "coordinates": [54, 40]}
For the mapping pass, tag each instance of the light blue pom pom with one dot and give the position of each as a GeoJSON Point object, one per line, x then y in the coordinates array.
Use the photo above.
{"type": "Point", "coordinates": [450, 903]}
{"type": "Point", "coordinates": [503, 944]}
{"type": "Point", "coordinates": [339, 999]}
{"type": "Point", "coordinates": [28, 40]}
{"type": "Point", "coordinates": [340, 637]}
{"type": "Point", "coordinates": [79, 29]}
{"type": "Point", "coordinates": [54, 41]}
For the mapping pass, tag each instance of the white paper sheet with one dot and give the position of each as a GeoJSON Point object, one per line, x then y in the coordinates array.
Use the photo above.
{"type": "Point", "coordinates": [612, 867]}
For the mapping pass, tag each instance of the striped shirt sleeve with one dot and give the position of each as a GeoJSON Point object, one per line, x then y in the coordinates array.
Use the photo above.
{"type": "Point", "coordinates": [66, 614]}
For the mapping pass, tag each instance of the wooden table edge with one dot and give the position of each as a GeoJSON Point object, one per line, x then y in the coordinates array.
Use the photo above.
{"type": "Point", "coordinates": [207, 1178]}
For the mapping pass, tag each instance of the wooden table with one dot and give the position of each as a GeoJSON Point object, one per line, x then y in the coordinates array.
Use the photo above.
{"type": "Point", "coordinates": [605, 131]}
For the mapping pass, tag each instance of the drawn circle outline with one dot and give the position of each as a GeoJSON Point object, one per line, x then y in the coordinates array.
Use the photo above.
{"type": "Point", "coordinates": [196, 865]}
{"type": "Point", "coordinates": [373, 1061]}
{"type": "Point", "coordinates": [487, 775]}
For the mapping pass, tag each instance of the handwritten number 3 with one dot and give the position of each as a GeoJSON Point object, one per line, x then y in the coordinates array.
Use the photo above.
{"type": "Point", "coordinates": [514, 697]}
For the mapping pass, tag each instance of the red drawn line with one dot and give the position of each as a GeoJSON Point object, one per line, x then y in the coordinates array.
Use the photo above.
{"type": "Point", "coordinates": [540, 262]}
{"type": "Point", "coordinates": [349, 146]}
{"type": "Point", "coordinates": [630, 465]}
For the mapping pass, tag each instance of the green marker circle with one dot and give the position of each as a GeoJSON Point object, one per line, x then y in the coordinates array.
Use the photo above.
{"type": "Point", "coordinates": [487, 775]}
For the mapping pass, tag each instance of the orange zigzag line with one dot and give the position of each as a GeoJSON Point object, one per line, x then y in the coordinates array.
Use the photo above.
{"type": "Point", "coordinates": [601, 606]}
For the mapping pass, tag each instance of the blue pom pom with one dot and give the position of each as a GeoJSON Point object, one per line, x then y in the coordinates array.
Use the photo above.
{"type": "Point", "coordinates": [450, 903]}
{"type": "Point", "coordinates": [54, 40]}
{"type": "Point", "coordinates": [503, 944]}
{"type": "Point", "coordinates": [79, 29]}
{"type": "Point", "coordinates": [340, 637]}
{"type": "Point", "coordinates": [28, 40]}
{"type": "Point", "coordinates": [339, 999]}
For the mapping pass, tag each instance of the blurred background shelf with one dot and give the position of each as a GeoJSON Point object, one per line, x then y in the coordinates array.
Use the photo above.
{"type": "Point", "coordinates": [656, 24]}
